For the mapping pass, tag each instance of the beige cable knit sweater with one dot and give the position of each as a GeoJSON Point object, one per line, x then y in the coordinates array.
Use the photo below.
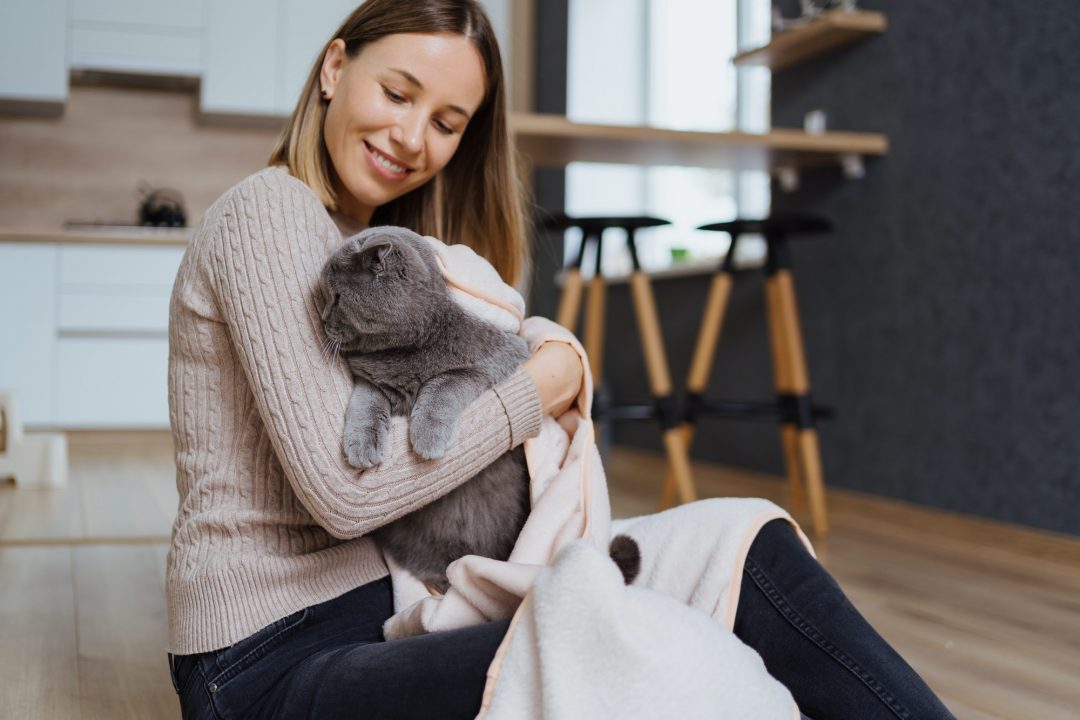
{"type": "Point", "coordinates": [272, 519]}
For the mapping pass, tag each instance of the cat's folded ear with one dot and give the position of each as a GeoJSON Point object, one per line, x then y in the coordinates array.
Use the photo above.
{"type": "Point", "coordinates": [372, 257]}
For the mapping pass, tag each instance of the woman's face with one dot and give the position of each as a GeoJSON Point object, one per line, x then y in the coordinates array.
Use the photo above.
{"type": "Point", "coordinates": [397, 112]}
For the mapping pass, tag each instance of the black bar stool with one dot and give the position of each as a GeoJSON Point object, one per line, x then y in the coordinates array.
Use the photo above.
{"type": "Point", "coordinates": [793, 406]}
{"type": "Point", "coordinates": [652, 344]}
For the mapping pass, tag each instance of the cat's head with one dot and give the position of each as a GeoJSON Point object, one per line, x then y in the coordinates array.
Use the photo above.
{"type": "Point", "coordinates": [382, 289]}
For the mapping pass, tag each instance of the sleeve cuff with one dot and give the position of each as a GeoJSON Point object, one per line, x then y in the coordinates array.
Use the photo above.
{"type": "Point", "coordinates": [521, 401]}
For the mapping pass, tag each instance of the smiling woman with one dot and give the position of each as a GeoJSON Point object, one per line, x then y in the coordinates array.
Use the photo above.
{"type": "Point", "coordinates": [396, 75]}
{"type": "Point", "coordinates": [276, 590]}
{"type": "Point", "coordinates": [396, 114]}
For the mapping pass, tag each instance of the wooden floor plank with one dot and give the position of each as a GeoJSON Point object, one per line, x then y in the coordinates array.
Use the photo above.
{"type": "Point", "coordinates": [127, 496]}
{"type": "Point", "coordinates": [38, 669]}
{"type": "Point", "coordinates": [122, 634]}
{"type": "Point", "coordinates": [36, 513]}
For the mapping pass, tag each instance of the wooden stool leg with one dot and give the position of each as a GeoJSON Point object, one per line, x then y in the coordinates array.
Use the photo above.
{"type": "Point", "coordinates": [782, 382]}
{"type": "Point", "coordinates": [660, 382]}
{"type": "Point", "coordinates": [594, 327]}
{"type": "Point", "coordinates": [570, 299]}
{"type": "Point", "coordinates": [712, 322]}
{"type": "Point", "coordinates": [807, 447]}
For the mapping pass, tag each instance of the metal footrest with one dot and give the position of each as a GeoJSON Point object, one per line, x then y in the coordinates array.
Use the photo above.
{"type": "Point", "coordinates": [786, 409]}
{"type": "Point", "coordinates": [603, 412]}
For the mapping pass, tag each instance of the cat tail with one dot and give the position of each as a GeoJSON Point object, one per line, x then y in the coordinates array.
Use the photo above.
{"type": "Point", "coordinates": [626, 555]}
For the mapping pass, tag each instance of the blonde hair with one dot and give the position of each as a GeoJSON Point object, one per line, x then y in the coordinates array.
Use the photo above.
{"type": "Point", "coordinates": [477, 199]}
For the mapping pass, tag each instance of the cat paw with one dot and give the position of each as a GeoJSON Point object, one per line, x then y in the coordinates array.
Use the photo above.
{"type": "Point", "coordinates": [430, 439]}
{"type": "Point", "coordinates": [365, 450]}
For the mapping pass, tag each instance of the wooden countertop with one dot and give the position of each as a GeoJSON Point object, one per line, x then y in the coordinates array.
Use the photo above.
{"type": "Point", "coordinates": [553, 140]}
{"type": "Point", "coordinates": [103, 235]}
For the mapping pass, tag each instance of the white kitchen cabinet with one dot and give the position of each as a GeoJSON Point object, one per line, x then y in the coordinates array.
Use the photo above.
{"type": "Point", "coordinates": [162, 14]}
{"type": "Point", "coordinates": [84, 332]}
{"type": "Point", "coordinates": [106, 382]}
{"type": "Point", "coordinates": [28, 327]}
{"type": "Point", "coordinates": [307, 27]}
{"type": "Point", "coordinates": [241, 72]}
{"type": "Point", "coordinates": [258, 53]}
{"type": "Point", "coordinates": [115, 290]}
{"type": "Point", "coordinates": [138, 36]}
{"type": "Point", "coordinates": [33, 47]}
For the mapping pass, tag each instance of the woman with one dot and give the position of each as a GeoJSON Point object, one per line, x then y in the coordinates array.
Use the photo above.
{"type": "Point", "coordinates": [276, 595]}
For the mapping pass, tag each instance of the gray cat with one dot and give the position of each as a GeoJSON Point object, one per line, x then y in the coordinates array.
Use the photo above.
{"type": "Point", "coordinates": [414, 352]}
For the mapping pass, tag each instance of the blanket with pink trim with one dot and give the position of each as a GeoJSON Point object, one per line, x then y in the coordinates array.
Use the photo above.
{"type": "Point", "coordinates": [581, 643]}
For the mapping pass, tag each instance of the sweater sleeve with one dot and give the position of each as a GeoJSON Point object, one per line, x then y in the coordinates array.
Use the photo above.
{"type": "Point", "coordinates": [266, 249]}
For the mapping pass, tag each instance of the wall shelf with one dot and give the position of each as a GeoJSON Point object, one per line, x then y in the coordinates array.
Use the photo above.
{"type": "Point", "coordinates": [820, 35]}
{"type": "Point", "coordinates": [552, 140]}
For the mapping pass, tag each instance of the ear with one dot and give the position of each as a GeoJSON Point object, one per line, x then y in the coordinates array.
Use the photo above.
{"type": "Point", "coordinates": [373, 257]}
{"type": "Point", "coordinates": [332, 67]}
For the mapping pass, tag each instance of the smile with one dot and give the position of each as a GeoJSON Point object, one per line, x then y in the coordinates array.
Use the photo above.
{"type": "Point", "coordinates": [386, 166]}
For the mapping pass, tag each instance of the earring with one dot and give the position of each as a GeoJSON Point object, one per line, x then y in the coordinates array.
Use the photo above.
{"type": "Point", "coordinates": [325, 94]}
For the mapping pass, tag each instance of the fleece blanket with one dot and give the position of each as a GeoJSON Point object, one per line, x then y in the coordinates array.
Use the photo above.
{"type": "Point", "coordinates": [581, 643]}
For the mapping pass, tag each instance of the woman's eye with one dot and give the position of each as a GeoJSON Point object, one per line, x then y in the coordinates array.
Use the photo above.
{"type": "Point", "coordinates": [444, 128]}
{"type": "Point", "coordinates": [393, 96]}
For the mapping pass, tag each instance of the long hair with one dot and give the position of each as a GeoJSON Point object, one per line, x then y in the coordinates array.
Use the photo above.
{"type": "Point", "coordinates": [477, 199]}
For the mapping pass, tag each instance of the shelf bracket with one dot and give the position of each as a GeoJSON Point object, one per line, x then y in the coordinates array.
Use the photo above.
{"type": "Point", "coordinates": [788, 177]}
{"type": "Point", "coordinates": [853, 166]}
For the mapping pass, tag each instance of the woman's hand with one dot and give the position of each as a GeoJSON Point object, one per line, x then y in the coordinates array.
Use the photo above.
{"type": "Point", "coordinates": [556, 371]}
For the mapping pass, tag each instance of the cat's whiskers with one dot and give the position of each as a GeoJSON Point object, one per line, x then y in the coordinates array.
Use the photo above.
{"type": "Point", "coordinates": [331, 348]}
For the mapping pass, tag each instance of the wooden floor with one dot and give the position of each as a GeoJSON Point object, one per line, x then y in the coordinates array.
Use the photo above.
{"type": "Point", "coordinates": [988, 613]}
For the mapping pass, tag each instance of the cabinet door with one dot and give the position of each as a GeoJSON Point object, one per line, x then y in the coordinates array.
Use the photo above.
{"type": "Point", "coordinates": [116, 289]}
{"type": "Point", "coordinates": [140, 36]}
{"type": "Point", "coordinates": [33, 50]}
{"type": "Point", "coordinates": [28, 327]}
{"type": "Point", "coordinates": [112, 347]}
{"type": "Point", "coordinates": [112, 382]}
{"type": "Point", "coordinates": [309, 26]}
{"type": "Point", "coordinates": [241, 58]}
{"type": "Point", "coordinates": [164, 14]}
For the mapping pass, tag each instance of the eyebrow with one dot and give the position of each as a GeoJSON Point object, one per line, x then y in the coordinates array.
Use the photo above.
{"type": "Point", "coordinates": [415, 81]}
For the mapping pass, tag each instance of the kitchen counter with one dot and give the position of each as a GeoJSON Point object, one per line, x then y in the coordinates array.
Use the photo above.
{"type": "Point", "coordinates": [103, 235]}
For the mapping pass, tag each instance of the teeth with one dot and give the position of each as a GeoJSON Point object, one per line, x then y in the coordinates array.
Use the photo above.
{"type": "Point", "coordinates": [386, 163]}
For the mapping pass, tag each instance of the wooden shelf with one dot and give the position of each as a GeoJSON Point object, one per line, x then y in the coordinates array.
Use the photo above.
{"type": "Point", "coordinates": [552, 140]}
{"type": "Point", "coordinates": [822, 34]}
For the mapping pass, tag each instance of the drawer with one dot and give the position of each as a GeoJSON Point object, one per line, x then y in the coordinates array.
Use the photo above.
{"type": "Point", "coordinates": [172, 15]}
{"type": "Point", "coordinates": [132, 312]}
{"type": "Point", "coordinates": [112, 383]}
{"type": "Point", "coordinates": [126, 48]}
{"type": "Point", "coordinates": [123, 268]}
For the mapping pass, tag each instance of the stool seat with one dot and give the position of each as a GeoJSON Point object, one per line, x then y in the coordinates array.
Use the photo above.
{"type": "Point", "coordinates": [598, 224]}
{"type": "Point", "coordinates": [778, 223]}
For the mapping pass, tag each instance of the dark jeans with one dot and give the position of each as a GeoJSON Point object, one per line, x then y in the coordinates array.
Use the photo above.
{"type": "Point", "coordinates": [816, 643]}
{"type": "Point", "coordinates": [330, 660]}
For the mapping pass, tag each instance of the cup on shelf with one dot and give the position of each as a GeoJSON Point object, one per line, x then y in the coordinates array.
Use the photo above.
{"type": "Point", "coordinates": [814, 122]}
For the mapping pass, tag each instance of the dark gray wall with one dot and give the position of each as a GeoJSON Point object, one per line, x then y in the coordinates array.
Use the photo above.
{"type": "Point", "coordinates": [941, 316]}
{"type": "Point", "coordinates": [548, 184]}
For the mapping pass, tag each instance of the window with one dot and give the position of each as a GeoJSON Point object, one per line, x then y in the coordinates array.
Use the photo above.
{"type": "Point", "coordinates": [667, 63]}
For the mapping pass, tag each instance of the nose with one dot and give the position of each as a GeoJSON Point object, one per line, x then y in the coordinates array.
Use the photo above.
{"type": "Point", "coordinates": [408, 132]}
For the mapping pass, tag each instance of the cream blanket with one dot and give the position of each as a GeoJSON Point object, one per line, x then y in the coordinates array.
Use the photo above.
{"type": "Point", "coordinates": [581, 644]}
